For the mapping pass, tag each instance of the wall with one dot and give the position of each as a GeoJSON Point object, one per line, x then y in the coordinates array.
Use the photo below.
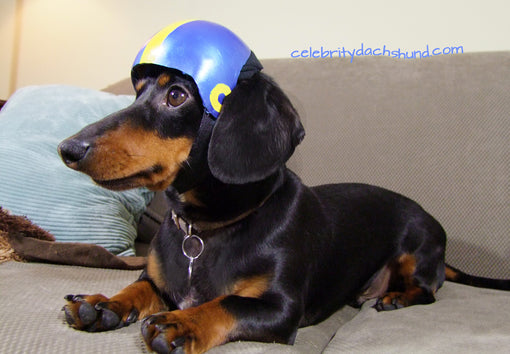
{"type": "Point", "coordinates": [92, 43]}
{"type": "Point", "coordinates": [7, 25]}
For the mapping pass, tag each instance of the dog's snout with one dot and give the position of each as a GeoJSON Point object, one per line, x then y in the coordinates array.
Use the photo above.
{"type": "Point", "coordinates": [73, 150]}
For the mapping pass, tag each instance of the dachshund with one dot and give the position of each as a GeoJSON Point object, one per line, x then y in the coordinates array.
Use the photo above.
{"type": "Point", "coordinates": [247, 251]}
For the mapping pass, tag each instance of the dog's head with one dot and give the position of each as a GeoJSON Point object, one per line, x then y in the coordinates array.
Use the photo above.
{"type": "Point", "coordinates": [150, 142]}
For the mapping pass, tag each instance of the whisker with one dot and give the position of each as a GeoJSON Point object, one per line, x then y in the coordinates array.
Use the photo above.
{"type": "Point", "coordinates": [132, 155]}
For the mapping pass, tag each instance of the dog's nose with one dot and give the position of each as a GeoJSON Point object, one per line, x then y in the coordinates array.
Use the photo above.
{"type": "Point", "coordinates": [72, 151]}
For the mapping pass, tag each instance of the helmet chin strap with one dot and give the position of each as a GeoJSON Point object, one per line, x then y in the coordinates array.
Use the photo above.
{"type": "Point", "coordinates": [196, 167]}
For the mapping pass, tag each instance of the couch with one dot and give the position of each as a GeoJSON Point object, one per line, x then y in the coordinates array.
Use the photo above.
{"type": "Point", "coordinates": [435, 129]}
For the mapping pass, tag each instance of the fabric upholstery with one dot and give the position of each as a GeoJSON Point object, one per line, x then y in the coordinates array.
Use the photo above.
{"type": "Point", "coordinates": [464, 319]}
{"type": "Point", "coordinates": [436, 130]}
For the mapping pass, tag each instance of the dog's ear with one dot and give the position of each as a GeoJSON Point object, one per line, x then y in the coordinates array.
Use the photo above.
{"type": "Point", "coordinates": [256, 132]}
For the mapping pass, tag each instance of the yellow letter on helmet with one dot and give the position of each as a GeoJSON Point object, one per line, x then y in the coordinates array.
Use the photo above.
{"type": "Point", "coordinates": [215, 95]}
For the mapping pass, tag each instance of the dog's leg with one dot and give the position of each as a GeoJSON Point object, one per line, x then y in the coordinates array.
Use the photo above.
{"type": "Point", "coordinates": [226, 318]}
{"type": "Point", "coordinates": [418, 270]}
{"type": "Point", "coordinates": [96, 313]}
{"type": "Point", "coordinates": [197, 329]}
{"type": "Point", "coordinates": [411, 283]}
{"type": "Point", "coordinates": [248, 313]}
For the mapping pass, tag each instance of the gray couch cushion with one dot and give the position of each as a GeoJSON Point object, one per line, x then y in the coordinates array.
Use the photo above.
{"type": "Point", "coordinates": [464, 319]}
{"type": "Point", "coordinates": [436, 130]}
{"type": "Point", "coordinates": [32, 295]}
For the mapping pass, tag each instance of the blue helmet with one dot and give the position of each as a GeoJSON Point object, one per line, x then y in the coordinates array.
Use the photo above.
{"type": "Point", "coordinates": [211, 54]}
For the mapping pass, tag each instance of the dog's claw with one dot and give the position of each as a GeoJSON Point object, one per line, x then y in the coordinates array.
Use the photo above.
{"type": "Point", "coordinates": [69, 316]}
{"type": "Point", "coordinates": [147, 321]}
{"type": "Point", "coordinates": [161, 326]}
{"type": "Point", "coordinates": [178, 343]}
{"type": "Point", "coordinates": [178, 350]}
{"type": "Point", "coordinates": [133, 316]}
{"type": "Point", "coordinates": [73, 298]}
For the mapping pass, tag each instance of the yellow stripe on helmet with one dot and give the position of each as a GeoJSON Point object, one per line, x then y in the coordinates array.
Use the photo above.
{"type": "Point", "coordinates": [148, 55]}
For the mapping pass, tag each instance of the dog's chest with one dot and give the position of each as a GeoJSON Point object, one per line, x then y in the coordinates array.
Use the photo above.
{"type": "Point", "coordinates": [192, 274]}
{"type": "Point", "coordinates": [196, 267]}
{"type": "Point", "coordinates": [185, 293]}
{"type": "Point", "coordinates": [190, 299]}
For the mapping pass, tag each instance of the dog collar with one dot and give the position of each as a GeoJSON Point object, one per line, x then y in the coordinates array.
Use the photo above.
{"type": "Point", "coordinates": [211, 54]}
{"type": "Point", "coordinates": [193, 245]}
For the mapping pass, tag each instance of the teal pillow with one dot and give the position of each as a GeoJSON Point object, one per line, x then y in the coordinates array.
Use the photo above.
{"type": "Point", "coordinates": [35, 182]}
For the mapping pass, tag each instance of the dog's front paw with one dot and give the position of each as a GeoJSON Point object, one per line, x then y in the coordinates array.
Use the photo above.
{"type": "Point", "coordinates": [175, 332]}
{"type": "Point", "coordinates": [95, 313]}
{"type": "Point", "coordinates": [164, 333]}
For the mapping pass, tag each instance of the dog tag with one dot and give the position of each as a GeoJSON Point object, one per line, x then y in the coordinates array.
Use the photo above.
{"type": "Point", "coordinates": [192, 248]}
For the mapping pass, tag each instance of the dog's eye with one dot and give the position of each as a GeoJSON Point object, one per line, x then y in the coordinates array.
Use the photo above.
{"type": "Point", "coordinates": [176, 96]}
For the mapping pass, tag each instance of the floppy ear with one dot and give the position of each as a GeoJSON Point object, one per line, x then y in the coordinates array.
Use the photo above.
{"type": "Point", "coordinates": [256, 132]}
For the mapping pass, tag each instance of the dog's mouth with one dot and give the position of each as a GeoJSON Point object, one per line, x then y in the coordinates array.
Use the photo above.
{"type": "Point", "coordinates": [135, 180]}
{"type": "Point", "coordinates": [154, 178]}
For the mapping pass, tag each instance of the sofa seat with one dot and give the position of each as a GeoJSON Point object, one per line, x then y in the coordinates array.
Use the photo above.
{"type": "Point", "coordinates": [463, 320]}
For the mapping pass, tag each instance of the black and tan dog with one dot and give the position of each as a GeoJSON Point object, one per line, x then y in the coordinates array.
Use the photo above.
{"type": "Point", "coordinates": [247, 252]}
